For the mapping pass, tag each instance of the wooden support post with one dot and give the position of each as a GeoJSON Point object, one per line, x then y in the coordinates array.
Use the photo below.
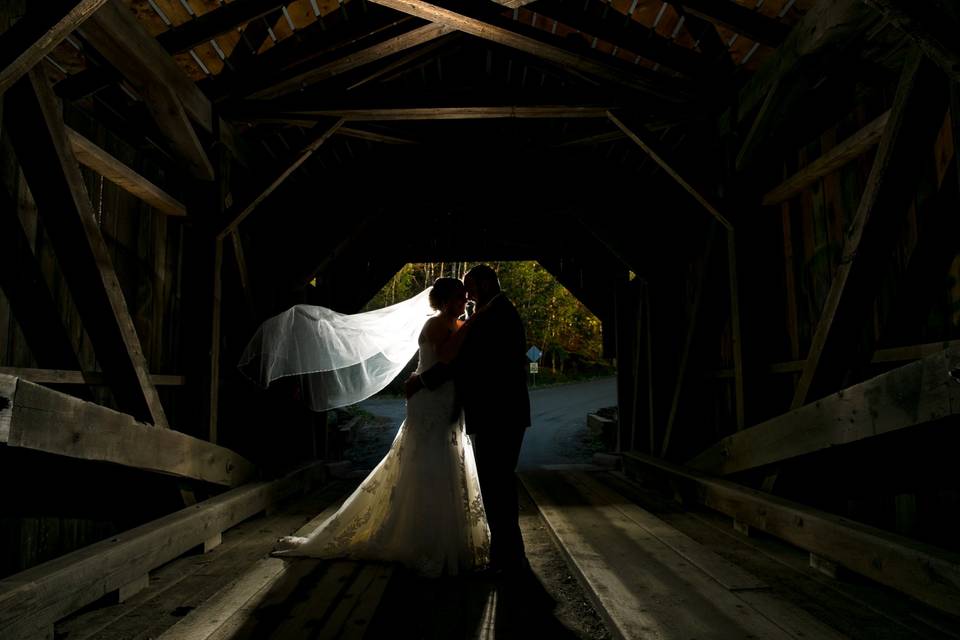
{"type": "Point", "coordinates": [735, 328]}
{"type": "Point", "coordinates": [692, 321]}
{"type": "Point", "coordinates": [36, 127]}
{"type": "Point", "coordinates": [914, 121]}
{"type": "Point", "coordinates": [215, 339]}
{"type": "Point", "coordinates": [824, 566]}
{"type": "Point", "coordinates": [212, 542]}
{"type": "Point", "coordinates": [650, 414]}
{"type": "Point", "coordinates": [132, 588]}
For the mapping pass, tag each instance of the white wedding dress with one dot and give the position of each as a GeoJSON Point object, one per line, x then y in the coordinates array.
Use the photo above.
{"type": "Point", "coordinates": [421, 505]}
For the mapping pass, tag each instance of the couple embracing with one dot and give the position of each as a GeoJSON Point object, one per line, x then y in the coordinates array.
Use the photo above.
{"type": "Point", "coordinates": [443, 500]}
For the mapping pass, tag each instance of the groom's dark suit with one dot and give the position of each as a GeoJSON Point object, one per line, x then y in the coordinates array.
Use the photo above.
{"type": "Point", "coordinates": [491, 377]}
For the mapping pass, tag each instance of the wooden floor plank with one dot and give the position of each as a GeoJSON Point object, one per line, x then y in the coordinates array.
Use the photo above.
{"type": "Point", "coordinates": [729, 575]}
{"type": "Point", "coordinates": [643, 587]}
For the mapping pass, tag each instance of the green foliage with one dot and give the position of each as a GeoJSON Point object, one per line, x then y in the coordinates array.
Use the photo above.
{"type": "Point", "coordinates": [565, 331]}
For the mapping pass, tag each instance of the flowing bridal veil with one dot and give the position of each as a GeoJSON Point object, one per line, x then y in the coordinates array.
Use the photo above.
{"type": "Point", "coordinates": [341, 358]}
{"type": "Point", "coordinates": [421, 505]}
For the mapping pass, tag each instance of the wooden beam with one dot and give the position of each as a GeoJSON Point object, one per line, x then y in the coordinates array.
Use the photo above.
{"type": "Point", "coordinates": [240, 259]}
{"type": "Point", "coordinates": [929, 574]}
{"type": "Point", "coordinates": [908, 396]}
{"type": "Point", "coordinates": [125, 43]}
{"type": "Point", "coordinates": [215, 329]}
{"type": "Point", "coordinates": [915, 119]}
{"type": "Point", "coordinates": [33, 120]}
{"type": "Point", "coordinates": [373, 136]}
{"type": "Point", "coordinates": [826, 31]}
{"type": "Point", "coordinates": [37, 33]}
{"type": "Point", "coordinates": [736, 337]}
{"type": "Point", "coordinates": [933, 30]}
{"type": "Point", "coordinates": [853, 147]}
{"type": "Point", "coordinates": [234, 219]}
{"type": "Point", "coordinates": [42, 419]}
{"type": "Point", "coordinates": [29, 296]}
{"type": "Point", "coordinates": [61, 376]}
{"type": "Point", "coordinates": [115, 33]}
{"type": "Point", "coordinates": [599, 138]}
{"type": "Point", "coordinates": [33, 600]}
{"type": "Point", "coordinates": [636, 131]}
{"type": "Point", "coordinates": [540, 44]}
{"type": "Point", "coordinates": [119, 37]}
{"type": "Point", "coordinates": [92, 156]}
{"type": "Point", "coordinates": [352, 26]}
{"type": "Point", "coordinates": [404, 61]}
{"type": "Point", "coordinates": [388, 114]}
{"type": "Point", "coordinates": [880, 356]}
{"type": "Point", "coordinates": [352, 59]}
{"type": "Point", "coordinates": [737, 18]}
{"type": "Point", "coordinates": [597, 20]}
{"type": "Point", "coordinates": [703, 274]}
{"type": "Point", "coordinates": [448, 113]}
{"type": "Point", "coordinates": [214, 23]}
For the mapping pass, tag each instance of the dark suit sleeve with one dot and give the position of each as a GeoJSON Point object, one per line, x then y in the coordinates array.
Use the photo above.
{"type": "Point", "coordinates": [437, 375]}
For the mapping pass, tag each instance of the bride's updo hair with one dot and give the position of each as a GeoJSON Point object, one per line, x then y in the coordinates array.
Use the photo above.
{"type": "Point", "coordinates": [443, 291]}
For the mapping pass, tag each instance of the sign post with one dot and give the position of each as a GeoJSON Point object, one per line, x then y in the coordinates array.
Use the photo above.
{"type": "Point", "coordinates": [533, 354]}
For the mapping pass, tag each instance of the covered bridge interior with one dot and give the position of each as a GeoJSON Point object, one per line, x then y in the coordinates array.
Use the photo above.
{"type": "Point", "coordinates": [757, 198]}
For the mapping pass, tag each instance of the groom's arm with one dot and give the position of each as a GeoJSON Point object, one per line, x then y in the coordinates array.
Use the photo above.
{"type": "Point", "coordinates": [429, 379]}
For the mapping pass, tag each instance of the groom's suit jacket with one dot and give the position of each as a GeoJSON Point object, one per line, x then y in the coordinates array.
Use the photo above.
{"type": "Point", "coordinates": [490, 371]}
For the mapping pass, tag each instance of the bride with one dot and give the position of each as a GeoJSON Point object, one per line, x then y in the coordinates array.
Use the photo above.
{"type": "Point", "coordinates": [421, 505]}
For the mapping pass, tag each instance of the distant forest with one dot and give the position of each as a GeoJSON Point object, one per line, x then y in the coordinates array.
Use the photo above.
{"type": "Point", "coordinates": [557, 323]}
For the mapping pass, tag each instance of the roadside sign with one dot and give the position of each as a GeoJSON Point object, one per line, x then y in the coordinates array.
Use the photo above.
{"type": "Point", "coordinates": [534, 367]}
{"type": "Point", "coordinates": [534, 353]}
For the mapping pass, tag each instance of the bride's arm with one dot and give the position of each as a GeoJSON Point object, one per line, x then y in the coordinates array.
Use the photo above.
{"type": "Point", "coordinates": [449, 346]}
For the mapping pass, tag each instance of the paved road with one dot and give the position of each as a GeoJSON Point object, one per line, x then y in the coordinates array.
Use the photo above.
{"type": "Point", "coordinates": [559, 431]}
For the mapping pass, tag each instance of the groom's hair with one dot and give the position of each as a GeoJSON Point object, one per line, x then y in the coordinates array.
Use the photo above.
{"type": "Point", "coordinates": [444, 289]}
{"type": "Point", "coordinates": [484, 273]}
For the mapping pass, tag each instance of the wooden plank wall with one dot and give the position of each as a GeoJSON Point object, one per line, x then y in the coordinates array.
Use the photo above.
{"type": "Point", "coordinates": [900, 483]}
{"type": "Point", "coordinates": [60, 505]}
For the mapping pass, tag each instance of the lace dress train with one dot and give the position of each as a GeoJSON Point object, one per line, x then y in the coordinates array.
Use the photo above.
{"type": "Point", "coordinates": [421, 505]}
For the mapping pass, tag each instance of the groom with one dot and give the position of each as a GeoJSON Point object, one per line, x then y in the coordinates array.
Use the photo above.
{"type": "Point", "coordinates": [491, 377]}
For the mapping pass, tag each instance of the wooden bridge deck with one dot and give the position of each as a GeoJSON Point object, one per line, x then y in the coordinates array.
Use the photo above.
{"type": "Point", "coordinates": [646, 577]}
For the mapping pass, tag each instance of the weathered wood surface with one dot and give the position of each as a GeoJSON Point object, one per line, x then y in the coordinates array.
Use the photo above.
{"type": "Point", "coordinates": [42, 419]}
{"type": "Point", "coordinates": [927, 573]}
{"type": "Point", "coordinates": [31, 601]}
{"type": "Point", "coordinates": [92, 156]}
{"type": "Point", "coordinates": [825, 32]}
{"type": "Point", "coordinates": [637, 132]}
{"type": "Point", "coordinates": [915, 118]}
{"type": "Point", "coordinates": [29, 296]}
{"type": "Point", "coordinates": [36, 127]}
{"type": "Point", "coordinates": [118, 36]}
{"type": "Point", "coordinates": [37, 34]}
{"type": "Point", "coordinates": [911, 395]}
{"type": "Point", "coordinates": [934, 30]}
{"type": "Point", "coordinates": [853, 147]}
{"type": "Point", "coordinates": [537, 43]}
{"type": "Point", "coordinates": [60, 376]}
{"type": "Point", "coordinates": [346, 61]}
{"type": "Point", "coordinates": [236, 217]}
{"type": "Point", "coordinates": [639, 571]}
